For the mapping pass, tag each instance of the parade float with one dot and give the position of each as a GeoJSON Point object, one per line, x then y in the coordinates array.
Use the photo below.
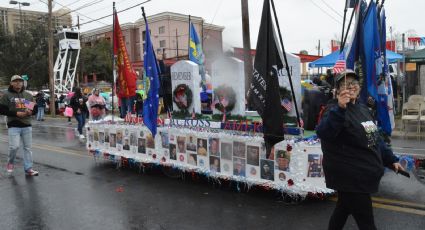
{"type": "Point", "coordinates": [230, 148]}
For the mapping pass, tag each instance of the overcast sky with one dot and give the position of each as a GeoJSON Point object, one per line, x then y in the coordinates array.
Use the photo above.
{"type": "Point", "coordinates": [303, 22]}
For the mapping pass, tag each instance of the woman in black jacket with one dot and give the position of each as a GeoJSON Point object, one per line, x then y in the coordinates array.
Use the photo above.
{"type": "Point", "coordinates": [78, 104]}
{"type": "Point", "coordinates": [354, 154]}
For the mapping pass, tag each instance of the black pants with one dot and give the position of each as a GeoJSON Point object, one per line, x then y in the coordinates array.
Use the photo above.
{"type": "Point", "coordinates": [357, 204]}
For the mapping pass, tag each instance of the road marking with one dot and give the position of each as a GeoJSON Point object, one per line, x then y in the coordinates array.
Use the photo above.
{"type": "Point", "coordinates": [395, 207]}
{"type": "Point", "coordinates": [399, 209]}
{"type": "Point", "coordinates": [384, 200]}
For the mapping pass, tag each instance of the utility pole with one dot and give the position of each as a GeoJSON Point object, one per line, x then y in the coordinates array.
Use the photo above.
{"type": "Point", "coordinates": [177, 46]}
{"type": "Point", "coordinates": [246, 45]}
{"type": "Point", "coordinates": [51, 76]}
{"type": "Point", "coordinates": [404, 67]}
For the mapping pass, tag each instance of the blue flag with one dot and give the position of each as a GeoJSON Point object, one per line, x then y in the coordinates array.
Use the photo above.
{"type": "Point", "coordinates": [151, 69]}
{"type": "Point", "coordinates": [196, 54]}
{"type": "Point", "coordinates": [375, 79]}
{"type": "Point", "coordinates": [385, 92]}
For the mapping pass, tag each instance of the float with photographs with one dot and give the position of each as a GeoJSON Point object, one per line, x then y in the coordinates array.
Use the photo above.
{"type": "Point", "coordinates": [230, 144]}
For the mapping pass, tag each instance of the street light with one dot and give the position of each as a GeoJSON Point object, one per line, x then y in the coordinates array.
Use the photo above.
{"type": "Point", "coordinates": [20, 12]}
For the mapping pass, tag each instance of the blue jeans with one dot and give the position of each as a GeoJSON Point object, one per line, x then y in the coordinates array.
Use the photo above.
{"type": "Point", "coordinates": [81, 119]}
{"type": "Point", "coordinates": [40, 113]}
{"type": "Point", "coordinates": [15, 135]}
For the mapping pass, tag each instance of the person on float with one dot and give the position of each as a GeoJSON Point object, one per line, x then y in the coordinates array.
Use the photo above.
{"type": "Point", "coordinates": [354, 154]}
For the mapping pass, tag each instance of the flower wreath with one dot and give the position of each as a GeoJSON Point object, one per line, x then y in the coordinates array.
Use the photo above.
{"type": "Point", "coordinates": [224, 98]}
{"type": "Point", "coordinates": [182, 96]}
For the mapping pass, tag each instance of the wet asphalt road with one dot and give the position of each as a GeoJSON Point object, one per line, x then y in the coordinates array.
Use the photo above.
{"type": "Point", "coordinates": [74, 192]}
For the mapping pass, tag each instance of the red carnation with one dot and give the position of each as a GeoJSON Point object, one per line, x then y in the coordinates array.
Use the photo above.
{"type": "Point", "coordinates": [290, 182]}
{"type": "Point", "coordinates": [288, 148]}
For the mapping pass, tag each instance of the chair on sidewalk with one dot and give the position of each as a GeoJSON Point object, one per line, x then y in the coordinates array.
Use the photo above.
{"type": "Point", "coordinates": [410, 112]}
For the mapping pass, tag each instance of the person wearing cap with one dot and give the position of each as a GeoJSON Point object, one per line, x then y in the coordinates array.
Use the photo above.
{"type": "Point", "coordinates": [354, 154]}
{"type": "Point", "coordinates": [17, 104]}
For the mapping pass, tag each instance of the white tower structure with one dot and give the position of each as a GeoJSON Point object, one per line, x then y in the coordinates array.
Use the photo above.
{"type": "Point", "coordinates": [67, 60]}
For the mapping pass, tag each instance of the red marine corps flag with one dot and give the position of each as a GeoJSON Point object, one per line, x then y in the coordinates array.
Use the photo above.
{"type": "Point", "coordinates": [126, 80]}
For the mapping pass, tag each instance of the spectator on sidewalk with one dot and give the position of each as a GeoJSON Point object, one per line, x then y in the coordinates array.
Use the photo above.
{"type": "Point", "coordinates": [40, 99]}
{"type": "Point", "coordinates": [97, 105]}
{"type": "Point", "coordinates": [17, 104]}
{"type": "Point", "coordinates": [78, 104]}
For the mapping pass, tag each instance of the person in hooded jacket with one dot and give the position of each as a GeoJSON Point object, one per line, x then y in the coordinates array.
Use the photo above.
{"type": "Point", "coordinates": [18, 105]}
{"type": "Point", "coordinates": [354, 154]}
{"type": "Point", "coordinates": [78, 104]}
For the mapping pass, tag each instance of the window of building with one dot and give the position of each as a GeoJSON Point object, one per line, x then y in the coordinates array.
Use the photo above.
{"type": "Point", "coordinates": [161, 29]}
{"type": "Point", "coordinates": [162, 43]}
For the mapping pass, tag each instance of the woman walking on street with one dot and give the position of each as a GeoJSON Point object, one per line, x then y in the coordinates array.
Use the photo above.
{"type": "Point", "coordinates": [78, 104]}
{"type": "Point", "coordinates": [354, 154]}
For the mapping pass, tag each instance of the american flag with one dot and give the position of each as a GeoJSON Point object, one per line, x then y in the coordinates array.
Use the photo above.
{"type": "Point", "coordinates": [287, 104]}
{"type": "Point", "coordinates": [340, 64]}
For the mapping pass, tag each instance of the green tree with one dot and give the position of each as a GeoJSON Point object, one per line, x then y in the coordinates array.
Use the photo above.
{"type": "Point", "coordinates": [25, 52]}
{"type": "Point", "coordinates": [97, 59]}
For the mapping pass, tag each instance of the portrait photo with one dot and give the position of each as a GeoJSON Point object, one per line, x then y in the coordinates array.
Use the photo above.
{"type": "Point", "coordinates": [150, 142]}
{"type": "Point", "coordinates": [141, 145]}
{"type": "Point", "coordinates": [107, 135]}
{"type": "Point", "coordinates": [239, 167]}
{"type": "Point", "coordinates": [253, 155]}
{"type": "Point", "coordinates": [113, 140]}
{"type": "Point", "coordinates": [173, 152]}
{"type": "Point", "coordinates": [226, 150]}
{"type": "Point", "coordinates": [96, 135]}
{"type": "Point", "coordinates": [283, 158]}
{"type": "Point", "coordinates": [315, 165]}
{"type": "Point", "coordinates": [192, 159]}
{"type": "Point", "coordinates": [267, 169]}
{"type": "Point", "coordinates": [181, 144]}
{"type": "Point", "coordinates": [164, 140]}
{"type": "Point", "coordinates": [119, 136]}
{"type": "Point", "coordinates": [214, 164]}
{"type": "Point", "coordinates": [191, 143]}
{"type": "Point", "coordinates": [214, 146]}
{"type": "Point", "coordinates": [239, 149]}
{"type": "Point", "coordinates": [133, 139]}
{"type": "Point", "coordinates": [101, 137]}
{"type": "Point", "coordinates": [126, 145]}
{"type": "Point", "coordinates": [202, 147]}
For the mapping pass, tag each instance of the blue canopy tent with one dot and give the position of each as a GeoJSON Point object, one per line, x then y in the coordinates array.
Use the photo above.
{"type": "Point", "coordinates": [329, 60]}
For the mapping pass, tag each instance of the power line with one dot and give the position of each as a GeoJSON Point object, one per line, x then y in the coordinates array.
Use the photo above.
{"type": "Point", "coordinates": [330, 7]}
{"type": "Point", "coordinates": [109, 15]}
{"type": "Point", "coordinates": [324, 11]}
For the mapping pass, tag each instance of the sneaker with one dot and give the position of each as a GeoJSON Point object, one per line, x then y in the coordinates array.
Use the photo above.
{"type": "Point", "coordinates": [82, 136]}
{"type": "Point", "coordinates": [31, 172]}
{"type": "Point", "coordinates": [9, 167]}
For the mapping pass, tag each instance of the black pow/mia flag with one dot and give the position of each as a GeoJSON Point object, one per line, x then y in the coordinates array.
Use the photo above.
{"type": "Point", "coordinates": [264, 89]}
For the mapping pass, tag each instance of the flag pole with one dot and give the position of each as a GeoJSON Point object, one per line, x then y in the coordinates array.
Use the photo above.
{"type": "Point", "coordinates": [286, 65]}
{"type": "Point", "coordinates": [113, 61]}
{"type": "Point", "coordinates": [188, 41]}
{"type": "Point", "coordinates": [346, 33]}
{"type": "Point", "coordinates": [343, 26]}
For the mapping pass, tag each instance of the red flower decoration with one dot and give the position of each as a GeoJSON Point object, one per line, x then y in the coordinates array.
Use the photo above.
{"type": "Point", "coordinates": [288, 148]}
{"type": "Point", "coordinates": [290, 182]}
